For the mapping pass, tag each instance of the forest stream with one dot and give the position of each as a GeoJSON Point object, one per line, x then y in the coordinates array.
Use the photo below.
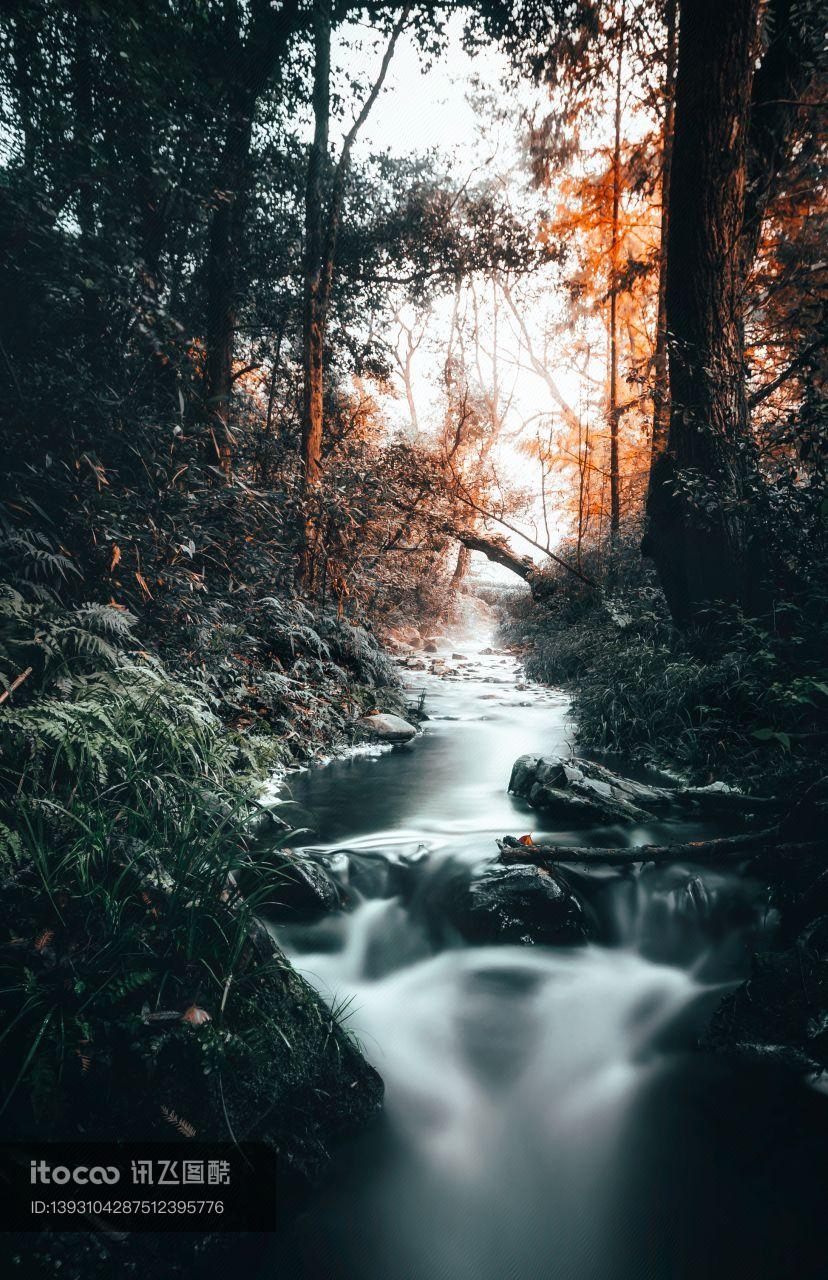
{"type": "Point", "coordinates": [548, 1111]}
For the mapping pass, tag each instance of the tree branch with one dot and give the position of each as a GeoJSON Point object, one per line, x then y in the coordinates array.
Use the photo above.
{"type": "Point", "coordinates": [794, 367]}
{"type": "Point", "coordinates": [465, 497]}
{"type": "Point", "coordinates": [341, 173]}
{"type": "Point", "coordinates": [726, 848]}
{"type": "Point", "coordinates": [497, 549]}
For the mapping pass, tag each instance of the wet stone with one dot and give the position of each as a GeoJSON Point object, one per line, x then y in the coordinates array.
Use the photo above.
{"type": "Point", "coordinates": [385, 727]}
{"type": "Point", "coordinates": [519, 904]}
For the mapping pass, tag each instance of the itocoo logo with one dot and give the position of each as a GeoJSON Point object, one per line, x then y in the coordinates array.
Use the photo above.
{"type": "Point", "coordinates": [83, 1174]}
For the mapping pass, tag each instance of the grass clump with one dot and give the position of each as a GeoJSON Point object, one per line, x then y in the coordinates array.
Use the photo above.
{"type": "Point", "coordinates": [135, 979]}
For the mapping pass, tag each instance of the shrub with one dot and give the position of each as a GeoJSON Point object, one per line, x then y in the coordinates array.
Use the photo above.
{"type": "Point", "coordinates": [136, 980]}
{"type": "Point", "coordinates": [735, 698]}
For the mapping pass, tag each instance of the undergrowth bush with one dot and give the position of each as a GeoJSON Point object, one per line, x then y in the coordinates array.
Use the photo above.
{"type": "Point", "coordinates": [736, 698]}
{"type": "Point", "coordinates": [135, 980]}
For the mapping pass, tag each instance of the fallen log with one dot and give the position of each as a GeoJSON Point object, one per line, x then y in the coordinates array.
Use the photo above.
{"type": "Point", "coordinates": [495, 548]}
{"type": "Point", "coordinates": [721, 849]}
{"type": "Point", "coordinates": [713, 800]}
{"type": "Point", "coordinates": [577, 790]}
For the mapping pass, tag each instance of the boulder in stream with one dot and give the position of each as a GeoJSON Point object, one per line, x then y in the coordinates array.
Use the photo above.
{"type": "Point", "coordinates": [577, 790]}
{"type": "Point", "coordinates": [303, 890]}
{"type": "Point", "coordinates": [382, 726]}
{"type": "Point", "coordinates": [521, 903]}
{"type": "Point", "coordinates": [406, 635]}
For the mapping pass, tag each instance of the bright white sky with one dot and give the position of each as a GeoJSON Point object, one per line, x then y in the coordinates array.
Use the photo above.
{"type": "Point", "coordinates": [424, 109]}
{"type": "Point", "coordinates": [419, 108]}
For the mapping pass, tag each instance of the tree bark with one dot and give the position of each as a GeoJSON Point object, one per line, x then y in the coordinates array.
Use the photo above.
{"type": "Point", "coordinates": [461, 566]}
{"type": "Point", "coordinates": [613, 414]}
{"type": "Point", "coordinates": [796, 29]}
{"type": "Point", "coordinates": [696, 503]}
{"type": "Point", "coordinates": [313, 331]}
{"type": "Point", "coordinates": [321, 233]}
{"type": "Point", "coordinates": [497, 550]}
{"type": "Point", "coordinates": [723, 849]}
{"type": "Point", "coordinates": [252, 65]}
{"type": "Point", "coordinates": [314, 282]}
{"type": "Point", "coordinates": [84, 130]}
{"type": "Point", "coordinates": [661, 379]}
{"type": "Point", "coordinates": [222, 272]}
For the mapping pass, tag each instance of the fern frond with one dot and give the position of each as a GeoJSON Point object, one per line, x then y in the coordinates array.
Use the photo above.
{"type": "Point", "coordinates": [183, 1126]}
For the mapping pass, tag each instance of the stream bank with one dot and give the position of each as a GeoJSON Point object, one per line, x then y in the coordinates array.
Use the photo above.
{"type": "Point", "coordinates": [142, 1000]}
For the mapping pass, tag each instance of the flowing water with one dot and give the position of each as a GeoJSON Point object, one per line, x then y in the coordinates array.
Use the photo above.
{"type": "Point", "coordinates": [547, 1111]}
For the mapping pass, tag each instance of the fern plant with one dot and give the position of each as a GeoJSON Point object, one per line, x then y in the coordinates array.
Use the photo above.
{"type": "Point", "coordinates": [58, 642]}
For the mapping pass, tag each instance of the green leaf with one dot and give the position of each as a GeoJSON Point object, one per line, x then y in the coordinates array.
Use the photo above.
{"type": "Point", "coordinates": [773, 735]}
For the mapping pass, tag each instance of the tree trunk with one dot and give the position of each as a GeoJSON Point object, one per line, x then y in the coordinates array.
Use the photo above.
{"type": "Point", "coordinates": [722, 849]}
{"type": "Point", "coordinates": [461, 568]}
{"type": "Point", "coordinates": [796, 30]}
{"type": "Point", "coordinates": [322, 229]}
{"type": "Point", "coordinates": [321, 233]}
{"type": "Point", "coordinates": [312, 408]}
{"type": "Point", "coordinates": [222, 266]}
{"type": "Point", "coordinates": [251, 66]}
{"type": "Point", "coordinates": [314, 282]}
{"type": "Point", "coordinates": [696, 504]}
{"type": "Point", "coordinates": [84, 130]}
{"type": "Point", "coordinates": [661, 379]}
{"type": "Point", "coordinates": [614, 415]}
{"type": "Point", "coordinates": [497, 549]}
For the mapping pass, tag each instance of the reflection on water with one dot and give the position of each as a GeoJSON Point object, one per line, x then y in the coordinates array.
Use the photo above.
{"type": "Point", "coordinates": [449, 784]}
{"type": "Point", "coordinates": [545, 1116]}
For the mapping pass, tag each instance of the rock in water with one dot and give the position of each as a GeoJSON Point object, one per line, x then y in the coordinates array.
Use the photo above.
{"type": "Point", "coordinates": [385, 727]}
{"type": "Point", "coordinates": [406, 635]}
{"type": "Point", "coordinates": [303, 889]}
{"type": "Point", "coordinates": [519, 904]}
{"type": "Point", "coordinates": [578, 790]}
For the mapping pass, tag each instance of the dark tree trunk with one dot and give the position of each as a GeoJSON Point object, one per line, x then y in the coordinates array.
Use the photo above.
{"type": "Point", "coordinates": [252, 64]}
{"type": "Point", "coordinates": [314, 317]}
{"type": "Point", "coordinates": [155, 206]}
{"type": "Point", "coordinates": [24, 71]}
{"type": "Point", "coordinates": [314, 287]}
{"type": "Point", "coordinates": [796, 30]}
{"type": "Point", "coordinates": [614, 409]}
{"type": "Point", "coordinates": [497, 549]}
{"type": "Point", "coordinates": [222, 272]}
{"type": "Point", "coordinates": [696, 504]}
{"type": "Point", "coordinates": [661, 379]}
{"type": "Point", "coordinates": [84, 130]}
{"type": "Point", "coordinates": [321, 233]}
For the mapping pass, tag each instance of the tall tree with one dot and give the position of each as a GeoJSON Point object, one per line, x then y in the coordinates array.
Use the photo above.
{"type": "Point", "coordinates": [696, 504]}
{"type": "Point", "coordinates": [252, 58]}
{"type": "Point", "coordinates": [314, 273]}
{"type": "Point", "coordinates": [322, 223]}
{"type": "Point", "coordinates": [614, 407]}
{"type": "Point", "coordinates": [733, 131]}
{"type": "Point", "coordinates": [661, 380]}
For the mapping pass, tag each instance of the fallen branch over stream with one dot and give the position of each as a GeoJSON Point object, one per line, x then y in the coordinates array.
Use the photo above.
{"type": "Point", "coordinates": [722, 849]}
